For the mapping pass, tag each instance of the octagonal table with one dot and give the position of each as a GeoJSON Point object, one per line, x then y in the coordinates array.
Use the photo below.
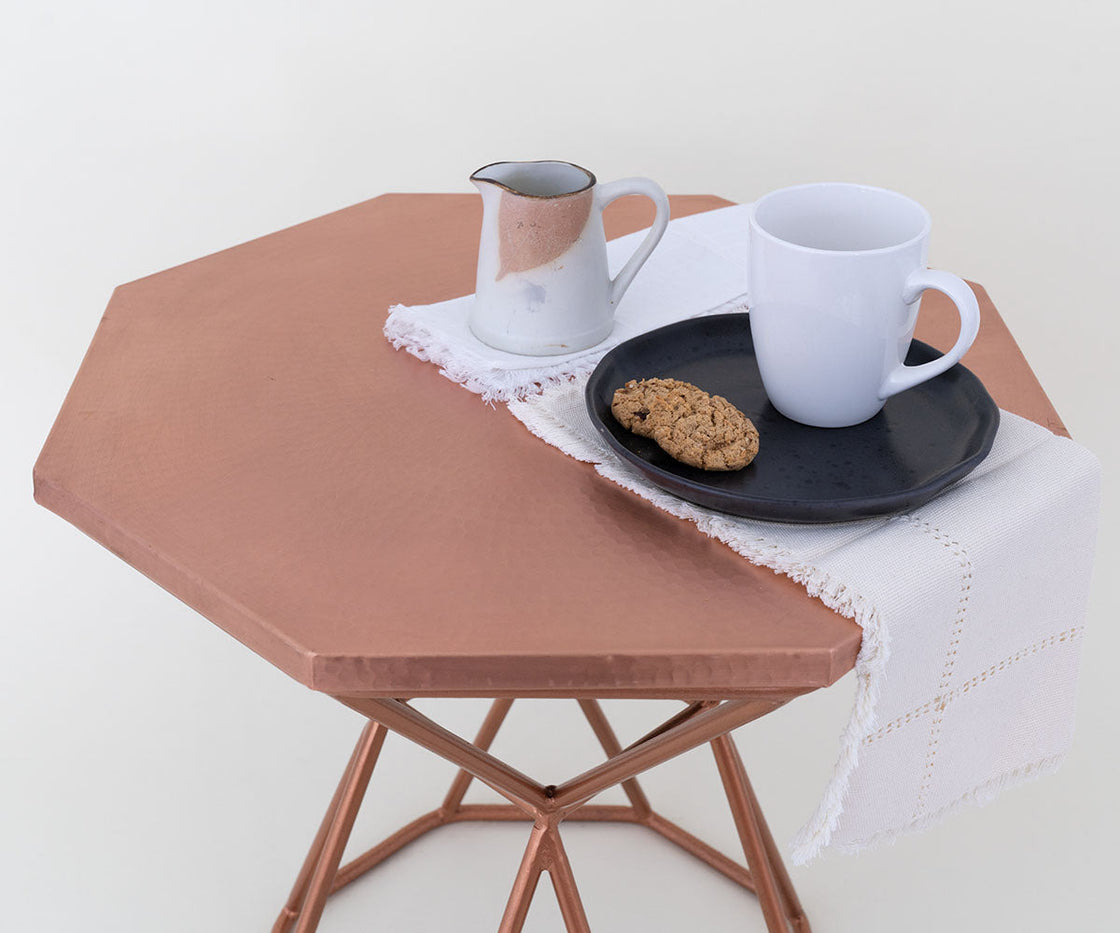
{"type": "Point", "coordinates": [241, 432]}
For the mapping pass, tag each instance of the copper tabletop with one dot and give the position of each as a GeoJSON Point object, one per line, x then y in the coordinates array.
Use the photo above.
{"type": "Point", "coordinates": [241, 432]}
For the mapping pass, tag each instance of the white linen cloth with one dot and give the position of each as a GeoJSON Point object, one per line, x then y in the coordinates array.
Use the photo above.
{"type": "Point", "coordinates": [972, 609]}
{"type": "Point", "coordinates": [714, 243]}
{"type": "Point", "coordinates": [972, 606]}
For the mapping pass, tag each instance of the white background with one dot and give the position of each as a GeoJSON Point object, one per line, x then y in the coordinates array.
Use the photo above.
{"type": "Point", "coordinates": [156, 776]}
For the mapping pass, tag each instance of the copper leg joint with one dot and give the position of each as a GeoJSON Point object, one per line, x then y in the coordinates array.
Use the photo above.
{"type": "Point", "coordinates": [545, 852]}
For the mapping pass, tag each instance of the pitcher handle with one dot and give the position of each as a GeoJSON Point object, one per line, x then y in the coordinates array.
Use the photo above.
{"type": "Point", "coordinates": [611, 191]}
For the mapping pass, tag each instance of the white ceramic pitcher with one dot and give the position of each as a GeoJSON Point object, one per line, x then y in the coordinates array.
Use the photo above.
{"type": "Point", "coordinates": [543, 288]}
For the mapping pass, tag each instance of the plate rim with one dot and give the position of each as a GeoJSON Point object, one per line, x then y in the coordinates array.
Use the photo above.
{"type": "Point", "coordinates": [877, 506]}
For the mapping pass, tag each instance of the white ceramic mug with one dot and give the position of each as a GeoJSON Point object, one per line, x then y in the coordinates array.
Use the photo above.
{"type": "Point", "coordinates": [836, 276]}
{"type": "Point", "coordinates": [543, 287]}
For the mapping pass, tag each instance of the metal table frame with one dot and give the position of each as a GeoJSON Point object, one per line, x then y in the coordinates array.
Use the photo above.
{"type": "Point", "coordinates": [704, 721]}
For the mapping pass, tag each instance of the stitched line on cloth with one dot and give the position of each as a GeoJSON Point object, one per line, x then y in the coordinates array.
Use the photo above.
{"type": "Point", "coordinates": [982, 677]}
{"type": "Point", "coordinates": [942, 700]}
{"type": "Point", "coordinates": [979, 795]}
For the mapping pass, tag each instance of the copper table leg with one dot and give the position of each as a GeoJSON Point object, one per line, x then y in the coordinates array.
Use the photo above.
{"type": "Point", "coordinates": [776, 896]}
{"type": "Point", "coordinates": [290, 911]}
{"type": "Point", "coordinates": [605, 734]}
{"type": "Point", "coordinates": [313, 886]}
{"type": "Point", "coordinates": [547, 806]}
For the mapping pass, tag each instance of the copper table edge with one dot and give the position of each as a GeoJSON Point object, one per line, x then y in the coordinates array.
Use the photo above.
{"type": "Point", "coordinates": [449, 675]}
{"type": "Point", "coordinates": [227, 614]}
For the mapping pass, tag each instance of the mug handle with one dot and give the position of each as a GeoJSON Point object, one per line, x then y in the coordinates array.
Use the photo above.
{"type": "Point", "coordinates": [906, 377]}
{"type": "Point", "coordinates": [611, 191]}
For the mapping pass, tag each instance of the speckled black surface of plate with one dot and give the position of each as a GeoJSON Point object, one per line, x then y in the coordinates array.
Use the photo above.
{"type": "Point", "coordinates": [923, 440]}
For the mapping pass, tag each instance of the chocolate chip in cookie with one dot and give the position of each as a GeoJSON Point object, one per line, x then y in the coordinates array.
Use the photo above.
{"type": "Point", "coordinates": [701, 430]}
{"type": "Point", "coordinates": [631, 404]}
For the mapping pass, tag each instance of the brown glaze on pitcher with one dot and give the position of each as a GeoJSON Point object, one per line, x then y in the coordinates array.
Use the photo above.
{"type": "Point", "coordinates": [534, 231]}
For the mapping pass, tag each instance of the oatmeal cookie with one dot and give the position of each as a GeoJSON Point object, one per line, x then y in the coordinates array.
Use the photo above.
{"type": "Point", "coordinates": [702, 430]}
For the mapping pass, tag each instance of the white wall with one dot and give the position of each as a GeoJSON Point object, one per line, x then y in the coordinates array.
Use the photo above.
{"type": "Point", "coordinates": [156, 776]}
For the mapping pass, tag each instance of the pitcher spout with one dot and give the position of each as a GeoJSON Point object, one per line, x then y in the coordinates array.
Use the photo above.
{"type": "Point", "coordinates": [543, 179]}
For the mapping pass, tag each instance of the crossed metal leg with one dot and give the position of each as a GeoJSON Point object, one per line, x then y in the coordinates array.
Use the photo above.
{"type": "Point", "coordinates": [547, 806]}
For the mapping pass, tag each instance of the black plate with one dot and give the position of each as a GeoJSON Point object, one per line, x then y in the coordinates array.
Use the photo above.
{"type": "Point", "coordinates": [923, 440]}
